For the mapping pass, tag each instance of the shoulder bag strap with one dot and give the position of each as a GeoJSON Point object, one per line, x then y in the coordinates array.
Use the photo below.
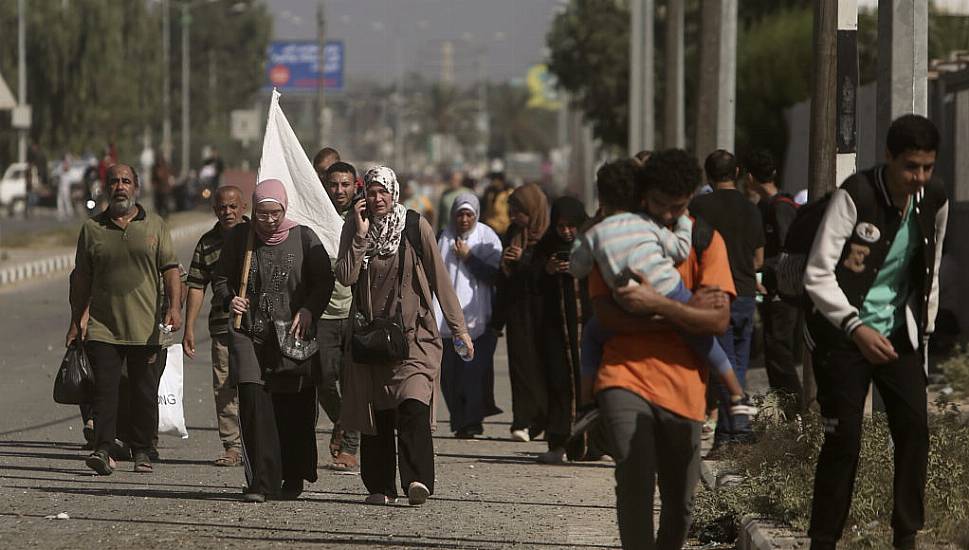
{"type": "Point", "coordinates": [400, 275]}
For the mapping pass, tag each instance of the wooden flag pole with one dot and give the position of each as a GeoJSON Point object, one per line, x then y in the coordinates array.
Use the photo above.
{"type": "Point", "coordinates": [244, 284]}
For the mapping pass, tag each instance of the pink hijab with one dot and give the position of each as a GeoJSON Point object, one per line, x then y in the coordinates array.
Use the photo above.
{"type": "Point", "coordinates": [272, 191]}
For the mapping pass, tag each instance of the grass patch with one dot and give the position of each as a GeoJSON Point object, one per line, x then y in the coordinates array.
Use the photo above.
{"type": "Point", "coordinates": [66, 235]}
{"type": "Point", "coordinates": [779, 481]}
{"type": "Point", "coordinates": [58, 237]}
{"type": "Point", "coordinates": [955, 369]}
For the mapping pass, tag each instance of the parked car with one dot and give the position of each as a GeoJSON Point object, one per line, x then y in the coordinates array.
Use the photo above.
{"type": "Point", "coordinates": [13, 187]}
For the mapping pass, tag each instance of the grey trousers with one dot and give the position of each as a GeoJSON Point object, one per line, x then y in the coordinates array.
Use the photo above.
{"type": "Point", "coordinates": [651, 446]}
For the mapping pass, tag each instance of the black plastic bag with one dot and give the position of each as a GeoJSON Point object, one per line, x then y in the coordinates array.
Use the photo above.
{"type": "Point", "coordinates": [74, 384]}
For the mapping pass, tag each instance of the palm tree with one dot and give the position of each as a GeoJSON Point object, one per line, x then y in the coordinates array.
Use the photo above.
{"type": "Point", "coordinates": [514, 125]}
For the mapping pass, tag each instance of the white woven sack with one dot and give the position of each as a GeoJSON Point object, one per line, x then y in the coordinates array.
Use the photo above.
{"type": "Point", "coordinates": [171, 414]}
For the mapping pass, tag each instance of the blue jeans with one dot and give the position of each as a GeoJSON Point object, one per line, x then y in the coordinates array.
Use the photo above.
{"type": "Point", "coordinates": [736, 343]}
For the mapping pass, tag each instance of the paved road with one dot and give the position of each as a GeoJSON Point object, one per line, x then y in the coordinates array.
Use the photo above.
{"type": "Point", "coordinates": [491, 493]}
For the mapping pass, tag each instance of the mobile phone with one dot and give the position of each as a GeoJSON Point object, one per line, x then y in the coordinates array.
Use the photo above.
{"type": "Point", "coordinates": [626, 277]}
{"type": "Point", "coordinates": [563, 256]}
{"type": "Point", "coordinates": [358, 196]}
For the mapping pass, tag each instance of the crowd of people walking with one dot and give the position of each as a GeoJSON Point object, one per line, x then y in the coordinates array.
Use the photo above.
{"type": "Point", "coordinates": [622, 316]}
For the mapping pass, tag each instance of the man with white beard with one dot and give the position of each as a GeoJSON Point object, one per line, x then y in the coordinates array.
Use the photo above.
{"type": "Point", "coordinates": [123, 255]}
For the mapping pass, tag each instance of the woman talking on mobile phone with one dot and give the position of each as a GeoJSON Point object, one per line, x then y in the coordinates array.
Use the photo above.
{"type": "Point", "coordinates": [565, 309]}
{"type": "Point", "coordinates": [391, 258]}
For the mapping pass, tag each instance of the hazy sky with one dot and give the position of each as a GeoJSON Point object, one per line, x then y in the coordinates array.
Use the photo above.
{"type": "Point", "coordinates": [381, 35]}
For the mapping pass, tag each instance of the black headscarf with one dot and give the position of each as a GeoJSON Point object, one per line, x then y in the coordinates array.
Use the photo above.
{"type": "Point", "coordinates": [563, 208]}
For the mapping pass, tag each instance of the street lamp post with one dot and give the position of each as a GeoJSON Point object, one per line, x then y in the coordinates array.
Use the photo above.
{"type": "Point", "coordinates": [321, 85]}
{"type": "Point", "coordinates": [186, 107]}
{"type": "Point", "coordinates": [22, 75]}
{"type": "Point", "coordinates": [166, 83]}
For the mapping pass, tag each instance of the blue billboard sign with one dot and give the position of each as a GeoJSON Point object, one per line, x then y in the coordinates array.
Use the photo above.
{"type": "Point", "coordinates": [295, 66]}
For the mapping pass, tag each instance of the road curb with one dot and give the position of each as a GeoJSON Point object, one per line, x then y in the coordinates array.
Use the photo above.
{"type": "Point", "coordinates": [755, 533]}
{"type": "Point", "coordinates": [64, 262]}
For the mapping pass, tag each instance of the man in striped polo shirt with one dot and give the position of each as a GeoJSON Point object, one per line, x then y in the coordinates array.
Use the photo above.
{"type": "Point", "coordinates": [229, 207]}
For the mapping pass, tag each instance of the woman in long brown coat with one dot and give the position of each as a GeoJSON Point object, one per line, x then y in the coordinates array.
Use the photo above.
{"type": "Point", "coordinates": [381, 397]}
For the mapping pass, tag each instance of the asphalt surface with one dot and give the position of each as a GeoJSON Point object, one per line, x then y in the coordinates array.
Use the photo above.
{"type": "Point", "coordinates": [490, 492]}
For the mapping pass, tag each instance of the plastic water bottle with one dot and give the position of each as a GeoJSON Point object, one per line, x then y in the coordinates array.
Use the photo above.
{"type": "Point", "coordinates": [462, 350]}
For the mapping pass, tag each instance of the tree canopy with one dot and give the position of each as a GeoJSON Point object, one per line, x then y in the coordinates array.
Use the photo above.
{"type": "Point", "coordinates": [94, 71]}
{"type": "Point", "coordinates": [589, 54]}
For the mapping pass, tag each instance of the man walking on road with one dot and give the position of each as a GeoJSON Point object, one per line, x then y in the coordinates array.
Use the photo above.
{"type": "Point", "coordinates": [738, 222]}
{"type": "Point", "coordinates": [780, 317]}
{"type": "Point", "coordinates": [323, 160]}
{"type": "Point", "coordinates": [229, 207]}
{"type": "Point", "coordinates": [123, 255]}
{"type": "Point", "coordinates": [872, 275]}
{"type": "Point", "coordinates": [340, 184]}
{"type": "Point", "coordinates": [651, 386]}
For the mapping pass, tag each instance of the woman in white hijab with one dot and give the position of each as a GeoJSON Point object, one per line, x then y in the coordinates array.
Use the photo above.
{"type": "Point", "coordinates": [472, 254]}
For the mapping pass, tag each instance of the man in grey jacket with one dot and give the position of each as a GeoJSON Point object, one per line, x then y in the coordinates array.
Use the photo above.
{"type": "Point", "coordinates": [872, 275]}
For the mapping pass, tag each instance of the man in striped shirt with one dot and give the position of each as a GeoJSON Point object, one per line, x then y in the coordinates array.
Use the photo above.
{"type": "Point", "coordinates": [229, 207]}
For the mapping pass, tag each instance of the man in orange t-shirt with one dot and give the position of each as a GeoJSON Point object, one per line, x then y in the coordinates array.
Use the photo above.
{"type": "Point", "coordinates": [651, 387]}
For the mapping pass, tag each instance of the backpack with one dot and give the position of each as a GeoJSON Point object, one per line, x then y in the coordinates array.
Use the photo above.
{"type": "Point", "coordinates": [701, 237]}
{"type": "Point", "coordinates": [412, 232]}
{"type": "Point", "coordinates": [797, 244]}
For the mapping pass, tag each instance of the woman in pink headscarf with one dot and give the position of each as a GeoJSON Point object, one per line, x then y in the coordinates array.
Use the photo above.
{"type": "Point", "coordinates": [270, 361]}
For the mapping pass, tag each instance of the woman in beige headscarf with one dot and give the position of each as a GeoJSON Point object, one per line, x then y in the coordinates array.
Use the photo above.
{"type": "Point", "coordinates": [520, 306]}
{"type": "Point", "coordinates": [378, 398]}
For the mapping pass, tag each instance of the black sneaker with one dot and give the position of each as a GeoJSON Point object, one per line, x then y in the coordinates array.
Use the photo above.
{"type": "Point", "coordinates": [100, 462]}
{"type": "Point", "coordinates": [119, 450]}
{"type": "Point", "coordinates": [257, 498]}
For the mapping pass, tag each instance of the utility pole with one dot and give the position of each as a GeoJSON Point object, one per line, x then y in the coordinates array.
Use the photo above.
{"type": "Point", "coordinates": [674, 131]}
{"type": "Point", "coordinates": [22, 75]}
{"type": "Point", "coordinates": [902, 87]}
{"type": "Point", "coordinates": [642, 113]}
{"type": "Point", "coordinates": [834, 126]}
{"type": "Point", "coordinates": [398, 102]}
{"type": "Point", "coordinates": [166, 82]}
{"type": "Point", "coordinates": [484, 125]}
{"type": "Point", "coordinates": [321, 85]}
{"type": "Point", "coordinates": [447, 63]}
{"type": "Point", "coordinates": [186, 107]}
{"type": "Point", "coordinates": [716, 97]}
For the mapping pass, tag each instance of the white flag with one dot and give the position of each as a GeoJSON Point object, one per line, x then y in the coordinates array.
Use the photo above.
{"type": "Point", "coordinates": [283, 159]}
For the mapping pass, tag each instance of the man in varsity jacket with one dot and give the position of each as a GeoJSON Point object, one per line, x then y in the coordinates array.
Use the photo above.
{"type": "Point", "coordinates": [873, 278]}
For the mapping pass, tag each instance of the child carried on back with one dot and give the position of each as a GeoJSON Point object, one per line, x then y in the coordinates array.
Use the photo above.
{"type": "Point", "coordinates": [627, 242]}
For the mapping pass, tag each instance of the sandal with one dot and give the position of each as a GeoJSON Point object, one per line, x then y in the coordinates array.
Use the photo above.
{"type": "Point", "coordinates": [231, 457]}
{"type": "Point", "coordinates": [143, 463]}
{"type": "Point", "coordinates": [344, 462]}
{"type": "Point", "coordinates": [336, 441]}
{"type": "Point", "coordinates": [100, 462]}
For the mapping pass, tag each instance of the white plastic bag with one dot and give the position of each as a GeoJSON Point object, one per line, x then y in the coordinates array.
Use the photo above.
{"type": "Point", "coordinates": [171, 415]}
{"type": "Point", "coordinates": [283, 158]}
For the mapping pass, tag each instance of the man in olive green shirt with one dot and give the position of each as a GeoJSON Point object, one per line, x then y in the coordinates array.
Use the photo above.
{"type": "Point", "coordinates": [339, 180]}
{"type": "Point", "coordinates": [123, 254]}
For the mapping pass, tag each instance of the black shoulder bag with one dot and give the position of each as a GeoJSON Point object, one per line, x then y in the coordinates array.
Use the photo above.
{"type": "Point", "coordinates": [381, 341]}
